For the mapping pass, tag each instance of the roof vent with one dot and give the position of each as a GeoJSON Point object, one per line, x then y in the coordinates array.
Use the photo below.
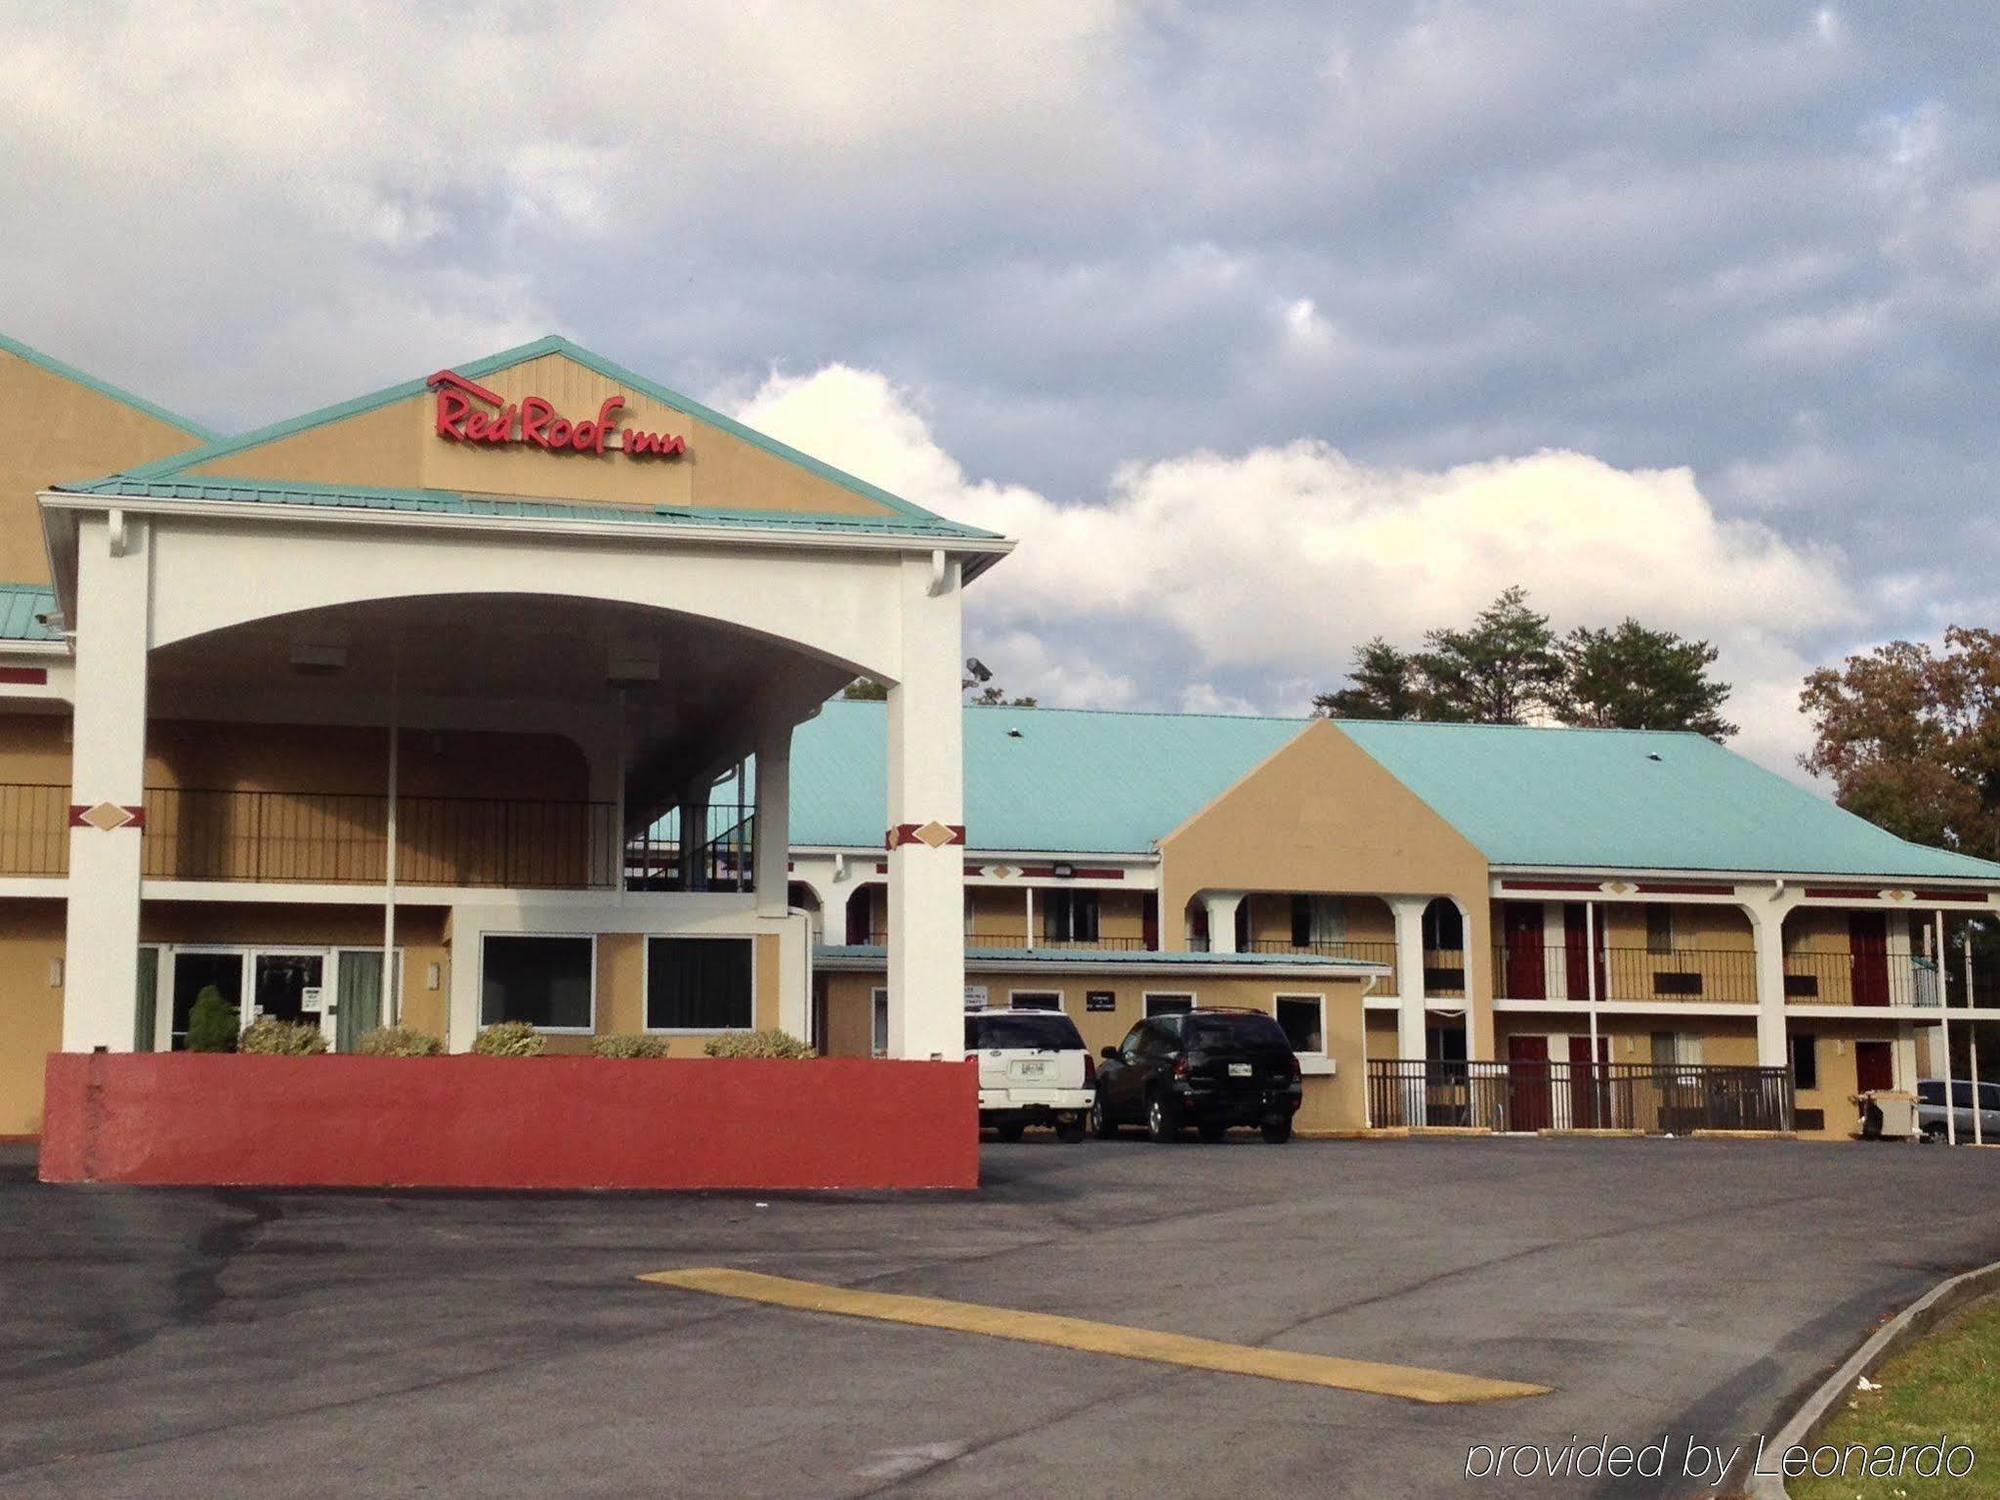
{"type": "Point", "coordinates": [1013, 734]}
{"type": "Point", "coordinates": [1652, 755]}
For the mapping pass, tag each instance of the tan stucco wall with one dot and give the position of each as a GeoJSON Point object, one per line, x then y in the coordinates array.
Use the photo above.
{"type": "Point", "coordinates": [35, 748]}
{"type": "Point", "coordinates": [54, 431]}
{"type": "Point", "coordinates": [398, 446]}
{"type": "Point", "coordinates": [1322, 815]}
{"type": "Point", "coordinates": [621, 994]}
{"type": "Point", "coordinates": [31, 939]}
{"type": "Point", "coordinates": [1335, 1103]}
{"type": "Point", "coordinates": [1837, 1073]}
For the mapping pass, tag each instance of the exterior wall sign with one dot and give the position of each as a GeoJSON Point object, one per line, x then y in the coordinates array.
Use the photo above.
{"type": "Point", "coordinates": [461, 419]}
{"type": "Point", "coordinates": [1100, 1000]}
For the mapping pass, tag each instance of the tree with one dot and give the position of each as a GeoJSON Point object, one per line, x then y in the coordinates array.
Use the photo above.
{"type": "Point", "coordinates": [1503, 670]}
{"type": "Point", "coordinates": [867, 690]}
{"type": "Point", "coordinates": [1384, 686]}
{"type": "Point", "coordinates": [1910, 738]}
{"type": "Point", "coordinates": [1635, 678]}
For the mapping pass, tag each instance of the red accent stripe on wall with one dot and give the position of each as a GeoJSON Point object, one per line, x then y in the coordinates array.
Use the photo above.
{"type": "Point", "coordinates": [1684, 888]}
{"type": "Point", "coordinates": [1550, 885]}
{"type": "Point", "coordinates": [136, 816]}
{"type": "Point", "coordinates": [906, 833]}
{"type": "Point", "coordinates": [34, 675]}
{"type": "Point", "coordinates": [1076, 872]}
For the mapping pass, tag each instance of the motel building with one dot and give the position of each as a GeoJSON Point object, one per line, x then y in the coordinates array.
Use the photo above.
{"type": "Point", "coordinates": [524, 673]}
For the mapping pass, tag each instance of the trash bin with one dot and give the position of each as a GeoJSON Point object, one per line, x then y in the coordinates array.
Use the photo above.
{"type": "Point", "coordinates": [1887, 1115]}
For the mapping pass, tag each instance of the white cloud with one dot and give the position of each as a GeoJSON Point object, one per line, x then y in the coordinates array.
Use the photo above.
{"type": "Point", "coordinates": [1272, 565]}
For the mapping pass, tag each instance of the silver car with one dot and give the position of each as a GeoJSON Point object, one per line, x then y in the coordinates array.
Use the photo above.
{"type": "Point", "coordinates": [1931, 1110]}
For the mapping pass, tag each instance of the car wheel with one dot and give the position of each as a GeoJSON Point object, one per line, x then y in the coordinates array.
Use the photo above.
{"type": "Point", "coordinates": [1163, 1120]}
{"type": "Point", "coordinates": [1069, 1132]}
{"type": "Point", "coordinates": [1010, 1130]}
{"type": "Point", "coordinates": [1211, 1130]}
{"type": "Point", "coordinates": [1101, 1124]}
{"type": "Point", "coordinates": [1277, 1132]}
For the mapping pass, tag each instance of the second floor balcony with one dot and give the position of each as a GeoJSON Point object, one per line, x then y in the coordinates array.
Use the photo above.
{"type": "Point", "coordinates": [1722, 976]}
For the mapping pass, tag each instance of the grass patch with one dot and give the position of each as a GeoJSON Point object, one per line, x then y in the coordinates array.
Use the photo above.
{"type": "Point", "coordinates": [1947, 1381]}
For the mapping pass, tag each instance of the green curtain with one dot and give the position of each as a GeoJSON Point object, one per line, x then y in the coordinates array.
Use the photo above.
{"type": "Point", "coordinates": [359, 998]}
{"type": "Point", "coordinates": [149, 999]}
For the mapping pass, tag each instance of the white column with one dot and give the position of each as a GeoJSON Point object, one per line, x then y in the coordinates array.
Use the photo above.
{"type": "Point", "coordinates": [1409, 915]}
{"type": "Point", "coordinates": [926, 833]}
{"type": "Point", "coordinates": [1222, 919]}
{"type": "Point", "coordinates": [107, 786]}
{"type": "Point", "coordinates": [1767, 931]}
{"type": "Point", "coordinates": [772, 850]}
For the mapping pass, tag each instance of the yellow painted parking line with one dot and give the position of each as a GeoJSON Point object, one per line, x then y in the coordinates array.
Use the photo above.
{"type": "Point", "coordinates": [1409, 1382]}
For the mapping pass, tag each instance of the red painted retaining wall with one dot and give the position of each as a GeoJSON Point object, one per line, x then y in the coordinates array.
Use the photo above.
{"type": "Point", "coordinates": [503, 1122]}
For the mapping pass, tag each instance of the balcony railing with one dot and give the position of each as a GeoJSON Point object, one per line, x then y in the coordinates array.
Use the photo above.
{"type": "Point", "coordinates": [1557, 1095]}
{"type": "Point", "coordinates": [334, 838]}
{"type": "Point", "coordinates": [726, 859]}
{"type": "Point", "coordinates": [1716, 975]}
{"type": "Point", "coordinates": [1368, 950]}
{"type": "Point", "coordinates": [880, 937]}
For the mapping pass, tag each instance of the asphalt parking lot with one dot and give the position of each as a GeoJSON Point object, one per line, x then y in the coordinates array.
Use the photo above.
{"type": "Point", "coordinates": [240, 1342]}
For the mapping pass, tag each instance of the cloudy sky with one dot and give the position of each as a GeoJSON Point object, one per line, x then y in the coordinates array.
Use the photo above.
{"type": "Point", "coordinates": [1267, 328]}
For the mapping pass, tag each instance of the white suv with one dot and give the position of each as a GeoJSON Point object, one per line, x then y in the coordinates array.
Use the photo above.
{"type": "Point", "coordinates": [1033, 1070]}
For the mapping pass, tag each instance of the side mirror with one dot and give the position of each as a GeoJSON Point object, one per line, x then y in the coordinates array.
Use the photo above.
{"type": "Point", "coordinates": [1111, 1054]}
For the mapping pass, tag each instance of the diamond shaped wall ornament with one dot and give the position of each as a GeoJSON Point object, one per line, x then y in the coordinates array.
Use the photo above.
{"type": "Point", "coordinates": [935, 834]}
{"type": "Point", "coordinates": [1618, 887]}
{"type": "Point", "coordinates": [1002, 872]}
{"type": "Point", "coordinates": [107, 816]}
{"type": "Point", "coordinates": [1899, 896]}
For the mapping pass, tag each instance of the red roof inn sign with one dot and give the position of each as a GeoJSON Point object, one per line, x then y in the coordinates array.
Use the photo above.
{"type": "Point", "coordinates": [460, 419]}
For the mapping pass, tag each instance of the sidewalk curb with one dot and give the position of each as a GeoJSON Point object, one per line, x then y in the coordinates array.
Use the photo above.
{"type": "Point", "coordinates": [1905, 1327]}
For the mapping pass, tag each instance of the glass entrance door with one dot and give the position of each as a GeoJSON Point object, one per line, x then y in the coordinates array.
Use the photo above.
{"type": "Point", "coordinates": [195, 971]}
{"type": "Point", "coordinates": [289, 987]}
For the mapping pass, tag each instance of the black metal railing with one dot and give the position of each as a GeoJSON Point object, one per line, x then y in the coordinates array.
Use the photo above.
{"type": "Point", "coordinates": [343, 838]}
{"type": "Point", "coordinates": [879, 937]}
{"type": "Point", "coordinates": [34, 829]}
{"type": "Point", "coordinates": [1563, 971]}
{"type": "Point", "coordinates": [1368, 950]}
{"type": "Point", "coordinates": [1668, 1099]}
{"type": "Point", "coordinates": [1860, 978]}
{"type": "Point", "coordinates": [725, 859]}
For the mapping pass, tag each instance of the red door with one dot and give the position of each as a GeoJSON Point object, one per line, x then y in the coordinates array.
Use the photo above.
{"type": "Point", "coordinates": [1528, 1098]}
{"type": "Point", "coordinates": [1874, 1067]}
{"type": "Point", "coordinates": [1578, 929]}
{"type": "Point", "coordinates": [1527, 978]}
{"type": "Point", "coordinates": [1868, 961]}
{"type": "Point", "coordinates": [1149, 921]}
{"type": "Point", "coordinates": [1589, 1088]}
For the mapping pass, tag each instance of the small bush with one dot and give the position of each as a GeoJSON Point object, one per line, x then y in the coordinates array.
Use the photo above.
{"type": "Point", "coordinates": [212, 1024]}
{"type": "Point", "coordinates": [628, 1046]}
{"type": "Point", "coordinates": [399, 1041]}
{"type": "Point", "coordinates": [772, 1043]}
{"type": "Point", "coordinates": [276, 1038]}
{"type": "Point", "coordinates": [510, 1039]}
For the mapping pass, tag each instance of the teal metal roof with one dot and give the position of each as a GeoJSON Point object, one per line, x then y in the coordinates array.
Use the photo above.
{"type": "Point", "coordinates": [104, 388]}
{"type": "Point", "coordinates": [1115, 958]}
{"type": "Point", "coordinates": [905, 518]}
{"type": "Point", "coordinates": [458, 503]}
{"type": "Point", "coordinates": [20, 603]}
{"type": "Point", "coordinates": [1633, 799]}
{"type": "Point", "coordinates": [1064, 779]}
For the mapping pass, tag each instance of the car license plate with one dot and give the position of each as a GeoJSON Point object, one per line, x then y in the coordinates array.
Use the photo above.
{"type": "Point", "coordinates": [1030, 1068]}
{"type": "Point", "coordinates": [1239, 1070]}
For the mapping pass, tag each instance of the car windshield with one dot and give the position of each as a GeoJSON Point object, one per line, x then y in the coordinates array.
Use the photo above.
{"type": "Point", "coordinates": [1235, 1031]}
{"type": "Point", "coordinates": [1019, 1031]}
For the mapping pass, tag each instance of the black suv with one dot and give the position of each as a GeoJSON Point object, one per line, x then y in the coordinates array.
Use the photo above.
{"type": "Point", "coordinates": [1207, 1068]}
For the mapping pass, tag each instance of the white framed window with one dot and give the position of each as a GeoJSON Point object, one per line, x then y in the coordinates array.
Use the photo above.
{"type": "Point", "coordinates": [878, 1043]}
{"type": "Point", "coordinates": [1168, 1003]}
{"type": "Point", "coordinates": [548, 979]}
{"type": "Point", "coordinates": [1035, 1000]}
{"type": "Point", "coordinates": [1303, 1018]}
{"type": "Point", "coordinates": [701, 984]}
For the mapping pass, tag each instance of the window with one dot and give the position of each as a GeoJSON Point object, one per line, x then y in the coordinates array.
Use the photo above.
{"type": "Point", "coordinates": [1805, 1060]}
{"type": "Point", "coordinates": [545, 981]}
{"type": "Point", "coordinates": [995, 1031]}
{"type": "Point", "coordinates": [1161, 1038]}
{"type": "Point", "coordinates": [1069, 916]}
{"type": "Point", "coordinates": [1444, 1043]}
{"type": "Point", "coordinates": [1659, 928]}
{"type": "Point", "coordinates": [1318, 919]}
{"type": "Point", "coordinates": [698, 984]}
{"type": "Point", "coordinates": [878, 1045]}
{"type": "Point", "coordinates": [1444, 927]}
{"type": "Point", "coordinates": [1034, 1000]}
{"type": "Point", "coordinates": [1304, 1021]}
{"type": "Point", "coordinates": [1168, 1005]}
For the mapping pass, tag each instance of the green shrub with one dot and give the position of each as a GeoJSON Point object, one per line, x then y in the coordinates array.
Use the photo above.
{"type": "Point", "coordinates": [628, 1046]}
{"type": "Point", "coordinates": [399, 1041]}
{"type": "Point", "coordinates": [772, 1043]}
{"type": "Point", "coordinates": [510, 1039]}
{"type": "Point", "coordinates": [212, 1024]}
{"type": "Point", "coordinates": [276, 1038]}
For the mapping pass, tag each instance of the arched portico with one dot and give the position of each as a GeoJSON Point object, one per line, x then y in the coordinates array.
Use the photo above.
{"type": "Point", "coordinates": [667, 656]}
